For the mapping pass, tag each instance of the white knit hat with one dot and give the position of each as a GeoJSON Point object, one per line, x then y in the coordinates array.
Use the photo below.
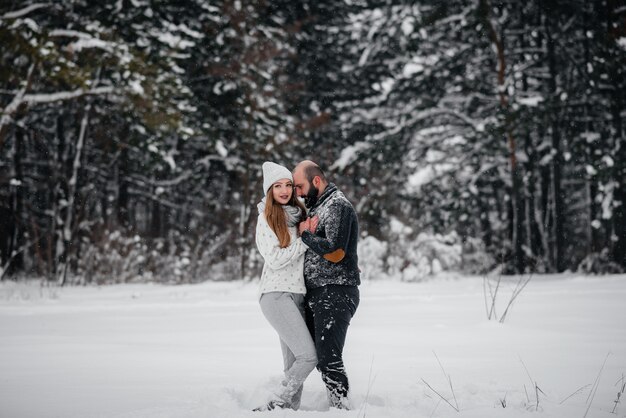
{"type": "Point", "coordinates": [273, 172]}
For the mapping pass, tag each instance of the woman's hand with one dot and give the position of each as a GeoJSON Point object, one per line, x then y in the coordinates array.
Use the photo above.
{"type": "Point", "coordinates": [304, 226]}
{"type": "Point", "coordinates": [310, 224]}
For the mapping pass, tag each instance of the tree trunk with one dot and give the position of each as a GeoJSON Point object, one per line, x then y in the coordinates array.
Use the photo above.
{"type": "Point", "coordinates": [616, 75]}
{"type": "Point", "coordinates": [517, 205]}
{"type": "Point", "coordinates": [19, 226]}
{"type": "Point", "coordinates": [244, 221]}
{"type": "Point", "coordinates": [533, 229]}
{"type": "Point", "coordinates": [68, 225]}
{"type": "Point", "coordinates": [5, 235]}
{"type": "Point", "coordinates": [594, 244]}
{"type": "Point", "coordinates": [532, 220]}
{"type": "Point", "coordinates": [155, 220]}
{"type": "Point", "coordinates": [557, 160]}
{"type": "Point", "coordinates": [57, 191]}
{"type": "Point", "coordinates": [485, 224]}
{"type": "Point", "coordinates": [123, 197]}
{"type": "Point", "coordinates": [546, 213]}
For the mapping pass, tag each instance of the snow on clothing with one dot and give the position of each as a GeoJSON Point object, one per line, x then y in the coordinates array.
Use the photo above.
{"type": "Point", "coordinates": [282, 303]}
{"type": "Point", "coordinates": [285, 312]}
{"type": "Point", "coordinates": [332, 258]}
{"type": "Point", "coordinates": [331, 274]}
{"type": "Point", "coordinates": [329, 311]}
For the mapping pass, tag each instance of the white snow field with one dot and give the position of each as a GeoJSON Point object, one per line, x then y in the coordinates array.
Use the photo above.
{"type": "Point", "coordinates": [205, 350]}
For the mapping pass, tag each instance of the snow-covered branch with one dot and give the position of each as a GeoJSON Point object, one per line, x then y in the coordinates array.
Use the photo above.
{"type": "Point", "coordinates": [350, 155]}
{"type": "Point", "coordinates": [9, 111]}
{"type": "Point", "coordinates": [85, 40]}
{"type": "Point", "coordinates": [422, 116]}
{"type": "Point", "coordinates": [164, 183]}
{"type": "Point", "coordinates": [23, 12]}
{"type": "Point", "coordinates": [67, 33]}
{"type": "Point", "coordinates": [185, 175]}
{"type": "Point", "coordinates": [65, 95]}
{"type": "Point", "coordinates": [90, 43]}
{"type": "Point", "coordinates": [22, 98]}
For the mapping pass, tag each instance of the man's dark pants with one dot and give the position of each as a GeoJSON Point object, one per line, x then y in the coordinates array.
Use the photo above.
{"type": "Point", "coordinates": [329, 310]}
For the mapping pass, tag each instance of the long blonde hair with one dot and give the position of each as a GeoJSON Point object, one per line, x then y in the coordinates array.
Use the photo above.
{"type": "Point", "coordinates": [276, 218]}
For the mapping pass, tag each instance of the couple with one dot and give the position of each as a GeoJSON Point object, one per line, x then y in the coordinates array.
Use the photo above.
{"type": "Point", "coordinates": [309, 282]}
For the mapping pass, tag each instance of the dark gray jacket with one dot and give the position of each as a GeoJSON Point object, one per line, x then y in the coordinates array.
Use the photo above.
{"type": "Point", "coordinates": [331, 257]}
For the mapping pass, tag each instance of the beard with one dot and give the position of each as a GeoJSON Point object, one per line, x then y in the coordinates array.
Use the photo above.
{"type": "Point", "coordinates": [311, 197]}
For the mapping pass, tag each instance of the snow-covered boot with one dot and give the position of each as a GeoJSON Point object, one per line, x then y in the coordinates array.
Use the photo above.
{"type": "Point", "coordinates": [273, 404]}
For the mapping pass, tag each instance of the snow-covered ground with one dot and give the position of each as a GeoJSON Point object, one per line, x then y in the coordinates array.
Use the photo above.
{"type": "Point", "coordinates": [206, 351]}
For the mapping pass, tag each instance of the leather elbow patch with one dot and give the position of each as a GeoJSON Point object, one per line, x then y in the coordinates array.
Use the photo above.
{"type": "Point", "coordinates": [336, 256]}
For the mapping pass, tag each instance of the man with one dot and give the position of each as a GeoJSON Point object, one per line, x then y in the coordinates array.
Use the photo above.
{"type": "Point", "coordinates": [331, 273]}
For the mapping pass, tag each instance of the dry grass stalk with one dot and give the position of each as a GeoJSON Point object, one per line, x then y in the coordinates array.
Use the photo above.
{"type": "Point", "coordinates": [370, 383]}
{"type": "Point", "coordinates": [490, 293]}
{"type": "Point", "coordinates": [439, 394]}
{"type": "Point", "coordinates": [534, 383]}
{"type": "Point", "coordinates": [594, 387]}
{"type": "Point", "coordinates": [576, 392]}
{"type": "Point", "coordinates": [449, 379]}
{"type": "Point", "coordinates": [617, 400]}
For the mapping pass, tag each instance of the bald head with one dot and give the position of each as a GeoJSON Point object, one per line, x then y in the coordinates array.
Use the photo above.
{"type": "Point", "coordinates": [310, 170]}
{"type": "Point", "coordinates": [309, 181]}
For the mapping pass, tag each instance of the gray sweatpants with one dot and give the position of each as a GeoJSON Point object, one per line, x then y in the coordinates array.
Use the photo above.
{"type": "Point", "coordinates": [285, 312]}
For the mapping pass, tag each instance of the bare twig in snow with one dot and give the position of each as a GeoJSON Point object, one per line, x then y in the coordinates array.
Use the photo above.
{"type": "Point", "coordinates": [617, 400]}
{"type": "Point", "coordinates": [526, 392]}
{"type": "Point", "coordinates": [493, 294]}
{"type": "Point", "coordinates": [596, 383]}
{"type": "Point", "coordinates": [521, 284]}
{"type": "Point", "coordinates": [449, 381]}
{"type": "Point", "coordinates": [525, 369]}
{"type": "Point", "coordinates": [503, 400]}
{"type": "Point", "coordinates": [438, 394]}
{"type": "Point", "coordinates": [485, 296]}
{"type": "Point", "coordinates": [370, 383]}
{"type": "Point", "coordinates": [435, 410]}
{"type": "Point", "coordinates": [537, 390]}
{"type": "Point", "coordinates": [577, 391]}
{"type": "Point", "coordinates": [534, 383]}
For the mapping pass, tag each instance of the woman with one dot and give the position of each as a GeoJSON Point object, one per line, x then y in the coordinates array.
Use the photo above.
{"type": "Point", "coordinates": [282, 281]}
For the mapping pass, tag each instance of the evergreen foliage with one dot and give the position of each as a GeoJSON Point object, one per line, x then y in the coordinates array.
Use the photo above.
{"type": "Point", "coordinates": [132, 133]}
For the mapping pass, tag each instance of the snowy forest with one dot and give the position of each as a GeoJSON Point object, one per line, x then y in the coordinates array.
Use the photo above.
{"type": "Point", "coordinates": [469, 135]}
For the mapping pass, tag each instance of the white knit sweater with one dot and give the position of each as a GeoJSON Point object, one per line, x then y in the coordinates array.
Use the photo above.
{"type": "Point", "coordinates": [283, 270]}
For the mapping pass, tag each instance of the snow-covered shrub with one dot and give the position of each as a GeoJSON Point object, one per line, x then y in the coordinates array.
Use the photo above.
{"type": "Point", "coordinates": [372, 254]}
{"type": "Point", "coordinates": [414, 258]}
{"type": "Point", "coordinates": [475, 259]}
{"type": "Point", "coordinates": [226, 269]}
{"type": "Point", "coordinates": [27, 289]}
{"type": "Point", "coordinates": [599, 263]}
{"type": "Point", "coordinates": [117, 258]}
{"type": "Point", "coordinates": [210, 260]}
